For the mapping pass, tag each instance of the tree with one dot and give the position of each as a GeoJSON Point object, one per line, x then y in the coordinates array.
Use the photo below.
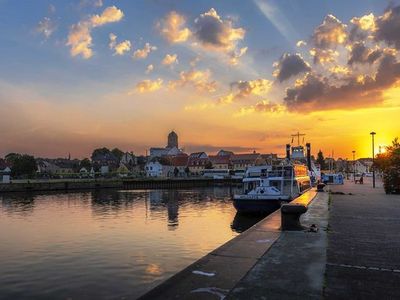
{"type": "Point", "coordinates": [100, 151]}
{"type": "Point", "coordinates": [176, 172]}
{"type": "Point", "coordinates": [321, 160]}
{"type": "Point", "coordinates": [11, 157]}
{"type": "Point", "coordinates": [117, 153]}
{"type": "Point", "coordinates": [389, 164]}
{"type": "Point", "coordinates": [85, 163]}
{"type": "Point", "coordinates": [208, 165]}
{"type": "Point", "coordinates": [24, 165]}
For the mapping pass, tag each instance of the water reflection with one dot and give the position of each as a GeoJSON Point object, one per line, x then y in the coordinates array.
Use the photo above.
{"type": "Point", "coordinates": [242, 222]}
{"type": "Point", "coordinates": [108, 244]}
{"type": "Point", "coordinates": [18, 204]}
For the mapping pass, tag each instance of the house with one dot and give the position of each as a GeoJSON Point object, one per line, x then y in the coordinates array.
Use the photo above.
{"type": "Point", "coordinates": [46, 167]}
{"type": "Point", "coordinates": [105, 159]}
{"type": "Point", "coordinates": [221, 161]}
{"type": "Point", "coordinates": [156, 169]}
{"type": "Point", "coordinates": [197, 162]}
{"type": "Point", "coordinates": [362, 165]}
{"type": "Point", "coordinates": [180, 163]}
{"type": "Point", "coordinates": [129, 160]}
{"type": "Point", "coordinates": [270, 158]}
{"type": "Point", "coordinates": [240, 162]}
{"type": "Point", "coordinates": [122, 171]}
{"type": "Point", "coordinates": [224, 153]}
{"type": "Point", "coordinates": [5, 171]}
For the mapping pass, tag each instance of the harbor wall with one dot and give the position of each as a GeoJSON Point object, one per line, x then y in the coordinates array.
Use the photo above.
{"type": "Point", "coordinates": [139, 183]}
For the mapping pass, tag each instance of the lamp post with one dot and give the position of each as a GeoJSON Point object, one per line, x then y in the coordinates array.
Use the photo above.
{"type": "Point", "coordinates": [373, 158]}
{"type": "Point", "coordinates": [354, 165]}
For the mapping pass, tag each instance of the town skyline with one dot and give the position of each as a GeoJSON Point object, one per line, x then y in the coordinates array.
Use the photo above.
{"type": "Point", "coordinates": [240, 76]}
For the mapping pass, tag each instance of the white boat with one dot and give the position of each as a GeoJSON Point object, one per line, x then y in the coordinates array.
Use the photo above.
{"type": "Point", "coordinates": [272, 187]}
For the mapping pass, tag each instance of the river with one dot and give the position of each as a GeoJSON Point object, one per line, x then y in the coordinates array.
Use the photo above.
{"type": "Point", "coordinates": [109, 244]}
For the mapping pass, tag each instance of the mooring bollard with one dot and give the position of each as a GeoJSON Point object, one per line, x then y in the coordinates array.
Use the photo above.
{"type": "Point", "coordinates": [290, 216]}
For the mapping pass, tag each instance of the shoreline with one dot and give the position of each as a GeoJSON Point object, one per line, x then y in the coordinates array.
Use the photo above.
{"type": "Point", "coordinates": [119, 183]}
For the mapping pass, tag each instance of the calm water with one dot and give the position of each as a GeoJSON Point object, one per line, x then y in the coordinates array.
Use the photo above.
{"type": "Point", "coordinates": [108, 244]}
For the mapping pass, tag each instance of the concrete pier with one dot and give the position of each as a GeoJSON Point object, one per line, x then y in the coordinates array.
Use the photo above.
{"type": "Point", "coordinates": [354, 254]}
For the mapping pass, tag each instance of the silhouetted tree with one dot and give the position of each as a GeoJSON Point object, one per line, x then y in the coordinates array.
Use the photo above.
{"type": "Point", "coordinates": [23, 165]}
{"type": "Point", "coordinates": [85, 163]}
{"type": "Point", "coordinates": [100, 151]}
{"type": "Point", "coordinates": [117, 153]}
{"type": "Point", "coordinates": [389, 164]}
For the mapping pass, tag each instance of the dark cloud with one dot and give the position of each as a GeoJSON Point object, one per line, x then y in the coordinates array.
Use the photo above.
{"type": "Point", "coordinates": [359, 53]}
{"type": "Point", "coordinates": [388, 27]}
{"type": "Point", "coordinates": [317, 93]}
{"type": "Point", "coordinates": [290, 65]}
{"type": "Point", "coordinates": [211, 30]}
{"type": "Point", "coordinates": [330, 33]}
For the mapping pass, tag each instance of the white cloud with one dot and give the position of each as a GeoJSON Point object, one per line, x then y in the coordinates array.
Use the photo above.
{"type": "Point", "coordinates": [143, 53]}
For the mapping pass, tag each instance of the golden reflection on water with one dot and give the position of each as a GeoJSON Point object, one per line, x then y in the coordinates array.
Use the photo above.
{"type": "Point", "coordinates": [107, 244]}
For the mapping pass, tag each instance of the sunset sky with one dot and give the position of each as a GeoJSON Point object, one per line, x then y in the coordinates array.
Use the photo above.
{"type": "Point", "coordinates": [234, 74]}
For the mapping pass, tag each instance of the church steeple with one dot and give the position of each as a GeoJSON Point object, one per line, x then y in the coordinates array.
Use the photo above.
{"type": "Point", "coordinates": [172, 140]}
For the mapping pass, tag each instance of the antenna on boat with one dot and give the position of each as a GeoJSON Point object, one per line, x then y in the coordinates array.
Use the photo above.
{"type": "Point", "coordinates": [298, 135]}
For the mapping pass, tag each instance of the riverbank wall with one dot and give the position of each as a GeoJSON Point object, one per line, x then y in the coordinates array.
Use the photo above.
{"type": "Point", "coordinates": [135, 183]}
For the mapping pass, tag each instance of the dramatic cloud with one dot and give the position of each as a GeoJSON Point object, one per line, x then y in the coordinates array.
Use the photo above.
{"type": "Point", "coordinates": [143, 53]}
{"type": "Point", "coordinates": [388, 27]}
{"type": "Point", "coordinates": [362, 27]}
{"type": "Point", "coordinates": [119, 48]}
{"type": "Point", "coordinates": [79, 37]}
{"type": "Point", "coordinates": [149, 69]}
{"type": "Point", "coordinates": [361, 54]}
{"type": "Point", "coordinates": [330, 33]}
{"type": "Point", "coordinates": [173, 29]}
{"type": "Point", "coordinates": [146, 86]}
{"type": "Point", "coordinates": [316, 92]}
{"type": "Point", "coordinates": [290, 65]}
{"type": "Point", "coordinates": [196, 78]}
{"type": "Point", "coordinates": [324, 56]}
{"type": "Point", "coordinates": [213, 32]}
{"type": "Point", "coordinates": [170, 59]}
{"type": "Point", "coordinates": [46, 27]}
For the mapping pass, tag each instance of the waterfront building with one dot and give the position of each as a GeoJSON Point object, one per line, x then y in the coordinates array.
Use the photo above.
{"type": "Point", "coordinates": [197, 162]}
{"type": "Point", "coordinates": [221, 161]}
{"type": "Point", "coordinates": [180, 163]}
{"type": "Point", "coordinates": [241, 162]}
{"type": "Point", "coordinates": [128, 159]}
{"type": "Point", "coordinates": [156, 169]}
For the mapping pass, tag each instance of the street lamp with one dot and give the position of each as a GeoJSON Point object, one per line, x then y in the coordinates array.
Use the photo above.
{"type": "Point", "coordinates": [373, 158]}
{"type": "Point", "coordinates": [354, 165]}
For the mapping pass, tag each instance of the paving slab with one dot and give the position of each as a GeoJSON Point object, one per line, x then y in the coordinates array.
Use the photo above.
{"type": "Point", "coordinates": [363, 256]}
{"type": "Point", "coordinates": [293, 268]}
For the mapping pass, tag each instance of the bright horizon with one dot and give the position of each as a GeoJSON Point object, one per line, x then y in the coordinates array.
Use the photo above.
{"type": "Point", "coordinates": [233, 75]}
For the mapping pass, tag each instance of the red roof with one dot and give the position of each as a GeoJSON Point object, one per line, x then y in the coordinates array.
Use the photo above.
{"type": "Point", "coordinates": [220, 159]}
{"type": "Point", "coordinates": [179, 160]}
{"type": "Point", "coordinates": [245, 157]}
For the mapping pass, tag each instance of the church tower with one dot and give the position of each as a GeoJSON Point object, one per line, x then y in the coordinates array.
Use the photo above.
{"type": "Point", "coordinates": [172, 140]}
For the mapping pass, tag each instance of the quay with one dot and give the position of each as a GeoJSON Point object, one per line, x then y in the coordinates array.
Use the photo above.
{"type": "Point", "coordinates": [348, 249]}
{"type": "Point", "coordinates": [120, 183]}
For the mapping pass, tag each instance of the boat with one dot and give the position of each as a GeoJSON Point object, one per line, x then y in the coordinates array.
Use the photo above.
{"type": "Point", "coordinates": [266, 188]}
{"type": "Point", "coordinates": [275, 186]}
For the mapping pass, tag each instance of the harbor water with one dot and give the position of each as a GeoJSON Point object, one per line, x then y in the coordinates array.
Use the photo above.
{"type": "Point", "coordinates": [109, 244]}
